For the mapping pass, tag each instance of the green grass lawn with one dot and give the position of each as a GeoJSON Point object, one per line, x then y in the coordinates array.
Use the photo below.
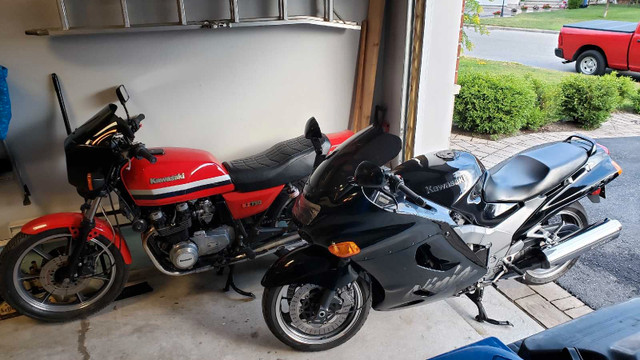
{"type": "Point", "coordinates": [468, 64]}
{"type": "Point", "coordinates": [553, 20]}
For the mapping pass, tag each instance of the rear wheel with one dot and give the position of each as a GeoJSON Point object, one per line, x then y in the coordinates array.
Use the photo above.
{"type": "Point", "coordinates": [291, 312]}
{"type": "Point", "coordinates": [574, 218]}
{"type": "Point", "coordinates": [33, 281]}
{"type": "Point", "coordinates": [591, 62]}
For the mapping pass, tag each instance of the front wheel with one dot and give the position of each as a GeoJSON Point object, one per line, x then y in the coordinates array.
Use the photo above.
{"type": "Point", "coordinates": [33, 281]}
{"type": "Point", "coordinates": [291, 312]}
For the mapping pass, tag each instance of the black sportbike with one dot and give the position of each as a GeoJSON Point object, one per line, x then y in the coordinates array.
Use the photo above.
{"type": "Point", "coordinates": [438, 225]}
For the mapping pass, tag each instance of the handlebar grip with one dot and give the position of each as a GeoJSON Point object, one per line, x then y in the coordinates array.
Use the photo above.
{"type": "Point", "coordinates": [144, 153]}
{"type": "Point", "coordinates": [412, 195]}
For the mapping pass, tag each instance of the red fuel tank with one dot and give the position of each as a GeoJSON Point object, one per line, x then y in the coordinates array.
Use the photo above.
{"type": "Point", "coordinates": [178, 175]}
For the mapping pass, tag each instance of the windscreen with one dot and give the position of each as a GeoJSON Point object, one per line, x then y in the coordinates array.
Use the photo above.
{"type": "Point", "coordinates": [331, 179]}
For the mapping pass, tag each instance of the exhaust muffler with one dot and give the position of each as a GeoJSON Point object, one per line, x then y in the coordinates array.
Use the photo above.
{"type": "Point", "coordinates": [581, 242]}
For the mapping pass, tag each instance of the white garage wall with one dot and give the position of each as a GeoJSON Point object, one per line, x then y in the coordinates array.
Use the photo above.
{"type": "Point", "coordinates": [231, 92]}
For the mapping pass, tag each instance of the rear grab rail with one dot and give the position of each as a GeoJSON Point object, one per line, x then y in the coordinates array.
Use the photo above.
{"type": "Point", "coordinates": [585, 138]}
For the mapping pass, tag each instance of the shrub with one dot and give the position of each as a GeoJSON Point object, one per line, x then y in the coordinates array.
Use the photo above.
{"type": "Point", "coordinates": [546, 102]}
{"type": "Point", "coordinates": [493, 104]}
{"type": "Point", "coordinates": [635, 100]}
{"type": "Point", "coordinates": [546, 6]}
{"type": "Point", "coordinates": [497, 13]}
{"type": "Point", "coordinates": [574, 4]}
{"type": "Point", "coordinates": [588, 100]}
{"type": "Point", "coordinates": [524, 8]}
{"type": "Point", "coordinates": [625, 86]}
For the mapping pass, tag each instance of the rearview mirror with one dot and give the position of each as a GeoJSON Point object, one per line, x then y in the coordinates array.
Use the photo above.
{"type": "Point", "coordinates": [312, 129]}
{"type": "Point", "coordinates": [122, 93]}
{"type": "Point", "coordinates": [369, 175]}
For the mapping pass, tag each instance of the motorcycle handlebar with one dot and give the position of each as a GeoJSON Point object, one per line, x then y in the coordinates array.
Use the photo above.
{"type": "Point", "coordinates": [412, 195]}
{"type": "Point", "coordinates": [142, 152]}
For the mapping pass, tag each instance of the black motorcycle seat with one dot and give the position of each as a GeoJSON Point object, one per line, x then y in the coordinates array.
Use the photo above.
{"type": "Point", "coordinates": [282, 163]}
{"type": "Point", "coordinates": [533, 172]}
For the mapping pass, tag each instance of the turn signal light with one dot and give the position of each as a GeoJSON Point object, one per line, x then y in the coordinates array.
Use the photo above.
{"type": "Point", "coordinates": [618, 167]}
{"type": "Point", "coordinates": [90, 182]}
{"type": "Point", "coordinates": [344, 249]}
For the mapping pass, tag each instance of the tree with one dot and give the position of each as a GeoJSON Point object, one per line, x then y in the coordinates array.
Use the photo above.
{"type": "Point", "coordinates": [471, 19]}
{"type": "Point", "coordinates": [606, 9]}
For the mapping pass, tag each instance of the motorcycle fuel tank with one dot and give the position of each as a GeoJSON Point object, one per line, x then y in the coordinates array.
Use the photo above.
{"type": "Point", "coordinates": [178, 175]}
{"type": "Point", "coordinates": [443, 177]}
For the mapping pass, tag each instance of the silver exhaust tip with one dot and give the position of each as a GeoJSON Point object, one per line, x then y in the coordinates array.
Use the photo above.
{"type": "Point", "coordinates": [582, 241]}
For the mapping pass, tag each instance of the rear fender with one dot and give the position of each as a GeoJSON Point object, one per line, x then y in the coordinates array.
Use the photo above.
{"type": "Point", "coordinates": [310, 265]}
{"type": "Point", "coordinates": [72, 222]}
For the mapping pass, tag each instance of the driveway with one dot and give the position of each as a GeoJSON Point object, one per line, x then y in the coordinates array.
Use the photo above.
{"type": "Point", "coordinates": [611, 273]}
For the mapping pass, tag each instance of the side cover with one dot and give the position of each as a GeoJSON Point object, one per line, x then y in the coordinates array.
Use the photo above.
{"type": "Point", "coordinates": [178, 175]}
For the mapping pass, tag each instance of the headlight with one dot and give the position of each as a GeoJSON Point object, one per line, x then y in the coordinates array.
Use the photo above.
{"type": "Point", "coordinates": [305, 211]}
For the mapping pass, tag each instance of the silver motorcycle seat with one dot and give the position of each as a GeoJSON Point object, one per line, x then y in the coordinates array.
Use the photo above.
{"type": "Point", "coordinates": [533, 172]}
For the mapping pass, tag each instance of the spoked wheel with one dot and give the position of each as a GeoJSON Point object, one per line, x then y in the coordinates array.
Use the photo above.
{"type": "Point", "coordinates": [293, 316]}
{"type": "Point", "coordinates": [34, 280]}
{"type": "Point", "coordinates": [571, 219]}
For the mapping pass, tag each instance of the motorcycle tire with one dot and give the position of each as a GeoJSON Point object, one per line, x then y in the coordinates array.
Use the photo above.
{"type": "Point", "coordinates": [21, 245]}
{"type": "Point", "coordinates": [271, 306]}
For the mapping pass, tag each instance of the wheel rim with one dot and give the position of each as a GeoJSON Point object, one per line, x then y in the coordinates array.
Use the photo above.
{"type": "Point", "coordinates": [36, 281]}
{"type": "Point", "coordinates": [589, 65]}
{"type": "Point", "coordinates": [570, 218]}
{"type": "Point", "coordinates": [289, 314]}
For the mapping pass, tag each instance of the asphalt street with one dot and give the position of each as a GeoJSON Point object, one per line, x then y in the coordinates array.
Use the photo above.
{"type": "Point", "coordinates": [525, 47]}
{"type": "Point", "coordinates": [610, 274]}
{"type": "Point", "coordinates": [529, 48]}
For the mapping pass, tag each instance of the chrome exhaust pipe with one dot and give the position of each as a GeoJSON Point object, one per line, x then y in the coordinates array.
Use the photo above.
{"type": "Point", "coordinates": [581, 242]}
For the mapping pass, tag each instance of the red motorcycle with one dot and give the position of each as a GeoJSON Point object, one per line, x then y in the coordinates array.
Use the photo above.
{"type": "Point", "coordinates": [194, 213]}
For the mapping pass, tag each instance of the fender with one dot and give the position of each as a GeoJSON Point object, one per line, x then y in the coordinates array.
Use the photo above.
{"type": "Point", "coordinates": [310, 265]}
{"type": "Point", "coordinates": [72, 222]}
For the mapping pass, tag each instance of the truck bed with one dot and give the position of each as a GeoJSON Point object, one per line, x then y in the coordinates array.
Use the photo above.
{"type": "Point", "coordinates": [606, 25]}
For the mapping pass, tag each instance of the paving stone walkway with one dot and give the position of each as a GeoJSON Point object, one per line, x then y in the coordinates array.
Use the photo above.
{"type": "Point", "coordinates": [492, 152]}
{"type": "Point", "coordinates": [549, 304]}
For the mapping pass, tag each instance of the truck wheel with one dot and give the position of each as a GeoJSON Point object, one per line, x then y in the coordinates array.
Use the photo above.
{"type": "Point", "coordinates": [591, 62]}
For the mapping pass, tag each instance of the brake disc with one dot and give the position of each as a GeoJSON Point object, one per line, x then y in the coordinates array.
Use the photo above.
{"type": "Point", "coordinates": [49, 283]}
{"type": "Point", "coordinates": [304, 306]}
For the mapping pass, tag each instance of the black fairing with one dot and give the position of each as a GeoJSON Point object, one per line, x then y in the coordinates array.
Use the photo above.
{"type": "Point", "coordinates": [411, 258]}
{"type": "Point", "coordinates": [88, 150]}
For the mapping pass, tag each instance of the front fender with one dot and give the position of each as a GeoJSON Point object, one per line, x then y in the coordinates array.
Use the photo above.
{"type": "Point", "coordinates": [72, 222]}
{"type": "Point", "coordinates": [310, 265]}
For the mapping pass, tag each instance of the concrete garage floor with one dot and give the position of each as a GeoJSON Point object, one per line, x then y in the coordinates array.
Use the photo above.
{"type": "Point", "coordinates": [190, 317]}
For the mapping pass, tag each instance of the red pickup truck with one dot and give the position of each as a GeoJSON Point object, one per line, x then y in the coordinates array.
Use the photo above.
{"type": "Point", "coordinates": [600, 44]}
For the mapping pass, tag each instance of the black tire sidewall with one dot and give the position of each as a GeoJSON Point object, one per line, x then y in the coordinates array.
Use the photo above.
{"type": "Point", "coordinates": [269, 307]}
{"type": "Point", "coordinates": [602, 64]}
{"type": "Point", "coordinates": [13, 251]}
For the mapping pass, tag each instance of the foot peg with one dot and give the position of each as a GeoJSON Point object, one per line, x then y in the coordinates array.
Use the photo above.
{"type": "Point", "coordinates": [476, 297]}
{"type": "Point", "coordinates": [232, 285]}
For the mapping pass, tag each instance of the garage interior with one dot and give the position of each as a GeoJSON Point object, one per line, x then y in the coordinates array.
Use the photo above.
{"type": "Point", "coordinates": [231, 78]}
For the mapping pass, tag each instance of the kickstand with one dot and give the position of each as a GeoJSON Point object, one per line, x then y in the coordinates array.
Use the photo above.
{"type": "Point", "coordinates": [476, 297]}
{"type": "Point", "coordinates": [232, 285]}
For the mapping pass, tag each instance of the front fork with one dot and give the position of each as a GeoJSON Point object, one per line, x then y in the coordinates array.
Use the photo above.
{"type": "Point", "coordinates": [79, 246]}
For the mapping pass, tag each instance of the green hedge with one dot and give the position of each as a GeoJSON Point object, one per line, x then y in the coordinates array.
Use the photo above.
{"type": "Point", "coordinates": [498, 104]}
{"type": "Point", "coordinates": [588, 100]}
{"type": "Point", "coordinates": [573, 4]}
{"type": "Point", "coordinates": [492, 104]}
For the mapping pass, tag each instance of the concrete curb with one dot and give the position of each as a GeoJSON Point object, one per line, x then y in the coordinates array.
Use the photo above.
{"type": "Point", "coordinates": [507, 28]}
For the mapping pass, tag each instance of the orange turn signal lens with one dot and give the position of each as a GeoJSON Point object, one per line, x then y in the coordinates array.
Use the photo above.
{"type": "Point", "coordinates": [89, 182]}
{"type": "Point", "coordinates": [344, 249]}
{"type": "Point", "coordinates": [618, 167]}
